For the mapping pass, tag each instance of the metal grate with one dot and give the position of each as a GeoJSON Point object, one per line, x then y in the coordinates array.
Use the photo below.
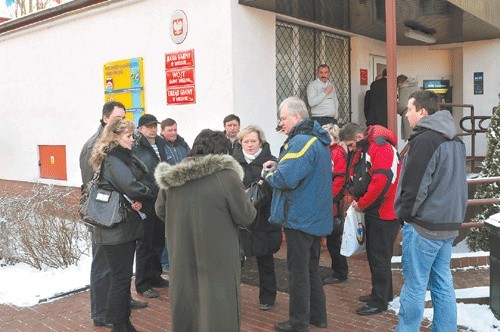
{"type": "Point", "coordinates": [299, 50]}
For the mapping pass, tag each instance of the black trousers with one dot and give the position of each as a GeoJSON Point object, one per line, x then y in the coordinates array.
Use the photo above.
{"type": "Point", "coordinates": [99, 283]}
{"type": "Point", "coordinates": [323, 120]}
{"type": "Point", "coordinates": [339, 263]}
{"type": "Point", "coordinates": [380, 237]}
{"type": "Point", "coordinates": [307, 296]}
{"type": "Point", "coordinates": [120, 259]}
{"type": "Point", "coordinates": [148, 268]}
{"type": "Point", "coordinates": [267, 279]}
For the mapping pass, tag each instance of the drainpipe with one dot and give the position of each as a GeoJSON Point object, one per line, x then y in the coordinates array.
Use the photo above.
{"type": "Point", "coordinates": [390, 46]}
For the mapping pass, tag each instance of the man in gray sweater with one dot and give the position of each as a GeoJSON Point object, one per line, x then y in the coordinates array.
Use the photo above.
{"type": "Point", "coordinates": [322, 98]}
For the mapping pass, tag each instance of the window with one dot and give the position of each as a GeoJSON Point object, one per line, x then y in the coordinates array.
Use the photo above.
{"type": "Point", "coordinates": [299, 51]}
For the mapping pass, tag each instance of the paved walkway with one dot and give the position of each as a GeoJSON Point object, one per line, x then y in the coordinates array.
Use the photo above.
{"type": "Point", "coordinates": [72, 313]}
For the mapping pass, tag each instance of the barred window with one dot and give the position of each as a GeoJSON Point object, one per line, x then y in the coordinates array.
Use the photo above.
{"type": "Point", "coordinates": [299, 51]}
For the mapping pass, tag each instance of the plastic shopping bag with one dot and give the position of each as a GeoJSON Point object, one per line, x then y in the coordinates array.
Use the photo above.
{"type": "Point", "coordinates": [354, 235]}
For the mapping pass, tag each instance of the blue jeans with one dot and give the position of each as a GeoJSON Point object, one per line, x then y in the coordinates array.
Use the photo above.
{"type": "Point", "coordinates": [426, 263]}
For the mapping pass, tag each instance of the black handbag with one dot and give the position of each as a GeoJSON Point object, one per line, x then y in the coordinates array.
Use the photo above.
{"type": "Point", "coordinates": [260, 194]}
{"type": "Point", "coordinates": [100, 206]}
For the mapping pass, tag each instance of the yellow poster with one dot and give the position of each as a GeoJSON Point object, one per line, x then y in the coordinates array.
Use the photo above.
{"type": "Point", "coordinates": [124, 82]}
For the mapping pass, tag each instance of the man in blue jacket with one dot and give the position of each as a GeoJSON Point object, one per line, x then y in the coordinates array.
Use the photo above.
{"type": "Point", "coordinates": [434, 165]}
{"type": "Point", "coordinates": [302, 204]}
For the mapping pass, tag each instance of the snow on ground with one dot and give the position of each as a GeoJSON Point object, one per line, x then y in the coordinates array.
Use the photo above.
{"type": "Point", "coordinates": [477, 317]}
{"type": "Point", "coordinates": [25, 286]}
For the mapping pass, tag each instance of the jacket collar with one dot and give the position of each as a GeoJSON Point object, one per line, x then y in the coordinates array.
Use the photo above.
{"type": "Point", "coordinates": [194, 168]}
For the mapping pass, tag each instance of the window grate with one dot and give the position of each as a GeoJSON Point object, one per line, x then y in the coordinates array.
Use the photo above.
{"type": "Point", "coordinates": [299, 50]}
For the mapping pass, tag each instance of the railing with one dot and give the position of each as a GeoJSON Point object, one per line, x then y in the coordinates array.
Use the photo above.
{"type": "Point", "coordinates": [477, 126]}
{"type": "Point", "coordinates": [480, 201]}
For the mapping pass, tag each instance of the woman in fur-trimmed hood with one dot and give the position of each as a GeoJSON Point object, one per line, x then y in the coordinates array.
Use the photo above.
{"type": "Point", "coordinates": [202, 201]}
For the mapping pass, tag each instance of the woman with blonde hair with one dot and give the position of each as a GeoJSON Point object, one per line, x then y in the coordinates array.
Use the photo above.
{"type": "Point", "coordinates": [263, 239]}
{"type": "Point", "coordinates": [338, 151]}
{"type": "Point", "coordinates": [120, 171]}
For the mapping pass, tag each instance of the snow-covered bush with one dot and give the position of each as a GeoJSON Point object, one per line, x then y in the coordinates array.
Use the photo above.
{"type": "Point", "coordinates": [478, 238]}
{"type": "Point", "coordinates": [42, 229]}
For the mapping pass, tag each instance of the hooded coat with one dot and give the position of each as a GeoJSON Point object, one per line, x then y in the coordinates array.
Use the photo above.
{"type": "Point", "coordinates": [202, 201]}
{"type": "Point", "coordinates": [302, 192]}
{"type": "Point", "coordinates": [434, 164]}
{"type": "Point", "coordinates": [374, 171]}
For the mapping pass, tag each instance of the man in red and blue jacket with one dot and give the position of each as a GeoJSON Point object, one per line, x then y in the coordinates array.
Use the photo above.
{"type": "Point", "coordinates": [372, 181]}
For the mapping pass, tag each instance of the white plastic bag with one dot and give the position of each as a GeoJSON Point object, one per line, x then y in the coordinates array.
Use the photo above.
{"type": "Point", "coordinates": [354, 235]}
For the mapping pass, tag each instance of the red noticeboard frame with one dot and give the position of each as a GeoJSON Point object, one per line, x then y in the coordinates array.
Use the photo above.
{"type": "Point", "coordinates": [180, 77]}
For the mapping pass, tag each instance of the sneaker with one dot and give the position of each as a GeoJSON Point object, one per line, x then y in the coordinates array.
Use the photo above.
{"type": "Point", "coordinates": [150, 293]}
{"type": "Point", "coordinates": [265, 306]}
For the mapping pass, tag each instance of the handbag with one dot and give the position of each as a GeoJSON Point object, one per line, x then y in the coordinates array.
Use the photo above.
{"type": "Point", "coordinates": [100, 205]}
{"type": "Point", "coordinates": [354, 235]}
{"type": "Point", "coordinates": [260, 194]}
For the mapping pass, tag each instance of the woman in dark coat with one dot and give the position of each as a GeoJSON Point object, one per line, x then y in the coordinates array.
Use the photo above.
{"type": "Point", "coordinates": [262, 239]}
{"type": "Point", "coordinates": [203, 202]}
{"type": "Point", "coordinates": [127, 175]}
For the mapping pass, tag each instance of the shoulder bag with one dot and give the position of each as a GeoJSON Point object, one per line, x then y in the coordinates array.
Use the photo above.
{"type": "Point", "coordinates": [100, 206]}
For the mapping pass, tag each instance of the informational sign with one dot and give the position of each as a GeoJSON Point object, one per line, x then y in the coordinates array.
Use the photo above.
{"type": "Point", "coordinates": [363, 76]}
{"type": "Point", "coordinates": [178, 26]}
{"type": "Point", "coordinates": [124, 82]}
{"type": "Point", "coordinates": [180, 78]}
{"type": "Point", "coordinates": [478, 83]}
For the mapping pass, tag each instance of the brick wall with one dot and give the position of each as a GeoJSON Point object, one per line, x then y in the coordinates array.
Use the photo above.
{"type": "Point", "coordinates": [9, 188]}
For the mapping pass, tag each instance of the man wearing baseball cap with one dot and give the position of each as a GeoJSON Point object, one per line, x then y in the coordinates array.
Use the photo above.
{"type": "Point", "coordinates": [150, 149]}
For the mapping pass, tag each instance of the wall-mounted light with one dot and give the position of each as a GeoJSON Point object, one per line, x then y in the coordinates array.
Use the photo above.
{"type": "Point", "coordinates": [418, 35]}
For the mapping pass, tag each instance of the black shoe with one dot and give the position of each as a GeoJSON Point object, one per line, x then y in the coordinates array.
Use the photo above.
{"type": "Point", "coordinates": [320, 325]}
{"type": "Point", "coordinates": [160, 283]}
{"type": "Point", "coordinates": [265, 306]}
{"type": "Point", "coordinates": [134, 304]}
{"type": "Point", "coordinates": [287, 327]}
{"type": "Point", "coordinates": [334, 280]}
{"type": "Point", "coordinates": [150, 293]}
{"type": "Point", "coordinates": [366, 310]}
{"type": "Point", "coordinates": [99, 323]}
{"type": "Point", "coordinates": [365, 298]}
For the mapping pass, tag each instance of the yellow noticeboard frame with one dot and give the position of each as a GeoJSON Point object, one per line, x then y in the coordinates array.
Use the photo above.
{"type": "Point", "coordinates": [124, 82]}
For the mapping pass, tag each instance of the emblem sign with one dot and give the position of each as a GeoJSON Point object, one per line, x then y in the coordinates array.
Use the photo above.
{"type": "Point", "coordinates": [178, 26]}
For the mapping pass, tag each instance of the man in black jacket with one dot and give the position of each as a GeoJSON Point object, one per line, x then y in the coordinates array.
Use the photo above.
{"type": "Point", "coordinates": [150, 149]}
{"type": "Point", "coordinates": [432, 214]}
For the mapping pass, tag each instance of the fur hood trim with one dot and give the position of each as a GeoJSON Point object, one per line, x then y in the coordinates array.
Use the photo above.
{"type": "Point", "coordinates": [194, 168]}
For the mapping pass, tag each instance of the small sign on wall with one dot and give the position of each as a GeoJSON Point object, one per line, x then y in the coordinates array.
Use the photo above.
{"type": "Point", "coordinates": [478, 83]}
{"type": "Point", "coordinates": [363, 76]}
{"type": "Point", "coordinates": [180, 78]}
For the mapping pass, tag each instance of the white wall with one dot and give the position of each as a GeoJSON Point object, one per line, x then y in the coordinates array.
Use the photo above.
{"type": "Point", "coordinates": [51, 81]}
{"type": "Point", "coordinates": [482, 57]}
{"type": "Point", "coordinates": [254, 69]}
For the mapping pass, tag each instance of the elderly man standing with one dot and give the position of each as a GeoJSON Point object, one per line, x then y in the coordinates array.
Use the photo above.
{"type": "Point", "coordinates": [302, 204]}
{"type": "Point", "coordinates": [322, 97]}
{"type": "Point", "coordinates": [150, 149]}
{"type": "Point", "coordinates": [434, 164]}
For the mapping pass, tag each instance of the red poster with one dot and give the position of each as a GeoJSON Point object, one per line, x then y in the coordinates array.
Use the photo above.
{"type": "Point", "coordinates": [179, 59]}
{"type": "Point", "coordinates": [183, 76]}
{"type": "Point", "coordinates": [181, 95]}
{"type": "Point", "coordinates": [363, 76]}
